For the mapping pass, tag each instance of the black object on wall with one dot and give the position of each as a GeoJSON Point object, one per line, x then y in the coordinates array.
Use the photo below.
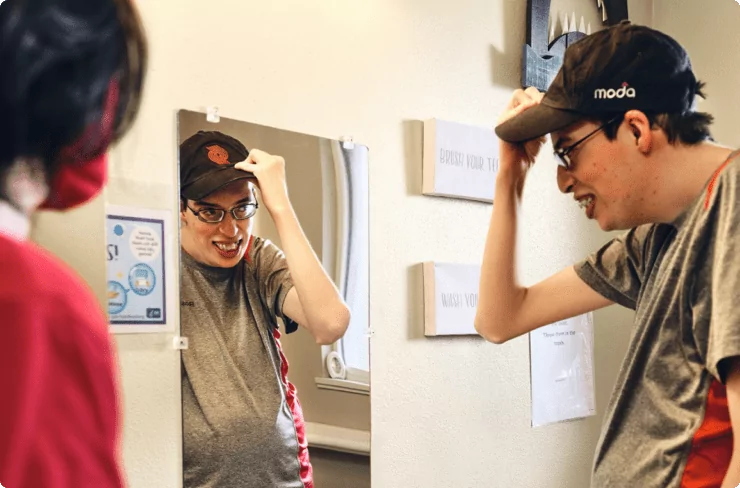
{"type": "Point", "coordinates": [542, 60]}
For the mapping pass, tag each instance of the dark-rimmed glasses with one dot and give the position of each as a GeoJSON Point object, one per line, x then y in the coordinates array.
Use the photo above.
{"type": "Point", "coordinates": [563, 153]}
{"type": "Point", "coordinates": [212, 215]}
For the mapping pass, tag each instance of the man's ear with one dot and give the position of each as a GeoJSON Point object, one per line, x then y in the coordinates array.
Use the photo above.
{"type": "Point", "coordinates": [183, 210]}
{"type": "Point", "coordinates": [638, 125]}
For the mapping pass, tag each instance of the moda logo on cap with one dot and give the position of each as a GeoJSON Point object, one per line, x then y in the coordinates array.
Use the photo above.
{"type": "Point", "coordinates": [218, 155]}
{"type": "Point", "coordinates": [625, 91]}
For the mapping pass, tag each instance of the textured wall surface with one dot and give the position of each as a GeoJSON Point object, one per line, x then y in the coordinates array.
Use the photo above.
{"type": "Point", "coordinates": [709, 35]}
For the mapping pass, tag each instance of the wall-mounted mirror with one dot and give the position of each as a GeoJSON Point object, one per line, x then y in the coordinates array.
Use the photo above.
{"type": "Point", "coordinates": [274, 288]}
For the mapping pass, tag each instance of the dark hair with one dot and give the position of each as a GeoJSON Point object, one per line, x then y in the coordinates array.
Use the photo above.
{"type": "Point", "coordinates": [71, 78]}
{"type": "Point", "coordinates": [687, 128]}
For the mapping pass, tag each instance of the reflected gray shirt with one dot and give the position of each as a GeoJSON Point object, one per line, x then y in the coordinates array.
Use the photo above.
{"type": "Point", "coordinates": [238, 428]}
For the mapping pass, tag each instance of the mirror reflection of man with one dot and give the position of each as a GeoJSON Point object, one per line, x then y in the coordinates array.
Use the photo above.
{"type": "Point", "coordinates": [242, 422]}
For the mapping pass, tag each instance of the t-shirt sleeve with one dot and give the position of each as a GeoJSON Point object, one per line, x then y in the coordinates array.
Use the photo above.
{"type": "Point", "coordinates": [616, 271]}
{"type": "Point", "coordinates": [273, 277]}
{"type": "Point", "coordinates": [724, 325]}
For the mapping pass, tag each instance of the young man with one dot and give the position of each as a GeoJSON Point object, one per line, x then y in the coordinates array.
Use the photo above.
{"type": "Point", "coordinates": [71, 78]}
{"type": "Point", "coordinates": [243, 425]}
{"type": "Point", "coordinates": [635, 156]}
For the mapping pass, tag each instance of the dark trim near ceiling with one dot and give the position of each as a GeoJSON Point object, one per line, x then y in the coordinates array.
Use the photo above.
{"type": "Point", "coordinates": [541, 60]}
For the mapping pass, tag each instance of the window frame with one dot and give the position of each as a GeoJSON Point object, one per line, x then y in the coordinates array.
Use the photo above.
{"type": "Point", "coordinates": [343, 176]}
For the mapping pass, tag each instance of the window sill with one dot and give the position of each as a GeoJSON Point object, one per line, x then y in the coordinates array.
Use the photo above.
{"type": "Point", "coordinates": [340, 439]}
{"type": "Point", "coordinates": [343, 386]}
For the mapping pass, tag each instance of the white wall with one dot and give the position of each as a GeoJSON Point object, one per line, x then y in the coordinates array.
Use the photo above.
{"type": "Point", "coordinates": [711, 37]}
{"type": "Point", "coordinates": [372, 69]}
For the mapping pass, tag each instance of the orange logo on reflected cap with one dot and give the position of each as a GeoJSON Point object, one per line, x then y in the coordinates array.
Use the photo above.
{"type": "Point", "coordinates": [218, 155]}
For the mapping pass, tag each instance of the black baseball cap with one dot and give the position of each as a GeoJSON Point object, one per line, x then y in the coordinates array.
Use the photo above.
{"type": "Point", "coordinates": [620, 68]}
{"type": "Point", "coordinates": [207, 162]}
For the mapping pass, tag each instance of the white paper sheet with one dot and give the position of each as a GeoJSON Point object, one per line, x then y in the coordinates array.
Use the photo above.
{"type": "Point", "coordinates": [562, 371]}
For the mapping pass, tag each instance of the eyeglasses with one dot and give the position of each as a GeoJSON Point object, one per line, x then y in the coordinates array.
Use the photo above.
{"type": "Point", "coordinates": [216, 215]}
{"type": "Point", "coordinates": [563, 153]}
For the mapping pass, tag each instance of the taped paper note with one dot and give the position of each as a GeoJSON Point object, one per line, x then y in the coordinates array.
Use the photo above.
{"type": "Point", "coordinates": [562, 371]}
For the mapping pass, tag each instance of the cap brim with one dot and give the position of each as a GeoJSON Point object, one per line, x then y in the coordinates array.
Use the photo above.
{"type": "Point", "coordinates": [536, 122]}
{"type": "Point", "coordinates": [214, 182]}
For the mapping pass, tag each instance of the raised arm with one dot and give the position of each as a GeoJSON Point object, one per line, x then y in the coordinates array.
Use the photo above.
{"type": "Point", "coordinates": [314, 302]}
{"type": "Point", "coordinates": [505, 308]}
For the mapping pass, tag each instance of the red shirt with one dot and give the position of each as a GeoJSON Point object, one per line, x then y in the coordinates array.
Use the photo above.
{"type": "Point", "coordinates": [58, 393]}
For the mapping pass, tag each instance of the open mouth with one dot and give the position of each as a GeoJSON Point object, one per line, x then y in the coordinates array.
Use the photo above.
{"type": "Point", "coordinates": [588, 202]}
{"type": "Point", "coordinates": [228, 250]}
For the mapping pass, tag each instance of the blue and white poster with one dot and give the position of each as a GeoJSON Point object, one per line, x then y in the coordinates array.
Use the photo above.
{"type": "Point", "coordinates": [137, 283]}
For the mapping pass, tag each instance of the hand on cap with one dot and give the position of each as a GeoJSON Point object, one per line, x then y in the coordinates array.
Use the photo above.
{"type": "Point", "coordinates": [270, 173]}
{"type": "Point", "coordinates": [515, 159]}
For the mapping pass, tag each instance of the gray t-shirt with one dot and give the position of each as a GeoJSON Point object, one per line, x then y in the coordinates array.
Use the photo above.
{"type": "Point", "coordinates": [239, 431]}
{"type": "Point", "coordinates": [667, 424]}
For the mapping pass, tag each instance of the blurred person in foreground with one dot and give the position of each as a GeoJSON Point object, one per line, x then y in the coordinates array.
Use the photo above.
{"type": "Point", "coordinates": [71, 76]}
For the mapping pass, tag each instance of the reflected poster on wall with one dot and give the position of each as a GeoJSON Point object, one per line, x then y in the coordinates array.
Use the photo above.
{"type": "Point", "coordinates": [135, 253]}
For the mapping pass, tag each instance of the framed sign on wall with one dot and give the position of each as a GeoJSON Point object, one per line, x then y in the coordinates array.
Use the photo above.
{"type": "Point", "coordinates": [137, 250]}
{"type": "Point", "coordinates": [459, 160]}
{"type": "Point", "coordinates": [450, 298]}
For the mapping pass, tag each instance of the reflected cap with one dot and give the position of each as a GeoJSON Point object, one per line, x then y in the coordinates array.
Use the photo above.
{"type": "Point", "coordinates": [207, 162]}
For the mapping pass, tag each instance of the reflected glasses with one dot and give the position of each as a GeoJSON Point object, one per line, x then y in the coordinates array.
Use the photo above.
{"type": "Point", "coordinates": [563, 153]}
{"type": "Point", "coordinates": [216, 215]}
